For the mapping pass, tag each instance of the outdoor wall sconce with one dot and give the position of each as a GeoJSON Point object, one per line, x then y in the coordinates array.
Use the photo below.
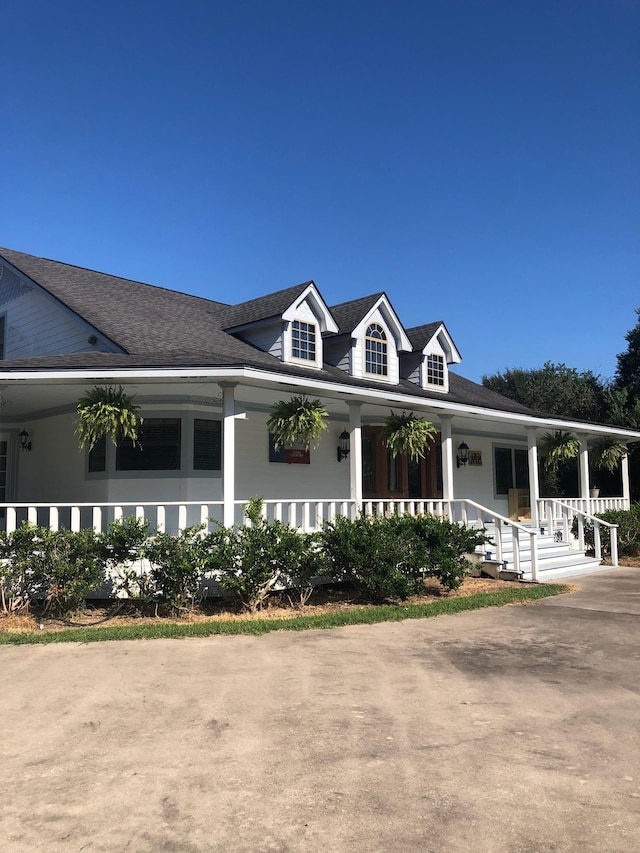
{"type": "Point", "coordinates": [462, 457]}
{"type": "Point", "coordinates": [344, 446]}
{"type": "Point", "coordinates": [25, 444]}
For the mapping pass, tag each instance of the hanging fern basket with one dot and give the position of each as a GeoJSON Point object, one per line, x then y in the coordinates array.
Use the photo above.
{"type": "Point", "coordinates": [106, 412]}
{"type": "Point", "coordinates": [557, 447]}
{"type": "Point", "coordinates": [297, 421]}
{"type": "Point", "coordinates": [408, 434]}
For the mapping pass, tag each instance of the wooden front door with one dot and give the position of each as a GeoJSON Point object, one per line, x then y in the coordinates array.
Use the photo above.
{"type": "Point", "coordinates": [386, 477]}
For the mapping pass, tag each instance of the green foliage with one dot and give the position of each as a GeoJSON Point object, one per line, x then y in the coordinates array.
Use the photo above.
{"type": "Point", "coordinates": [251, 561]}
{"type": "Point", "coordinates": [124, 544]}
{"type": "Point", "coordinates": [59, 568]}
{"type": "Point", "coordinates": [178, 564]}
{"type": "Point", "coordinates": [390, 557]}
{"type": "Point", "coordinates": [298, 420]}
{"type": "Point", "coordinates": [628, 521]}
{"type": "Point", "coordinates": [557, 447]}
{"type": "Point", "coordinates": [607, 454]}
{"type": "Point", "coordinates": [408, 434]}
{"type": "Point", "coordinates": [554, 389]}
{"type": "Point", "coordinates": [106, 412]}
{"type": "Point", "coordinates": [628, 369]}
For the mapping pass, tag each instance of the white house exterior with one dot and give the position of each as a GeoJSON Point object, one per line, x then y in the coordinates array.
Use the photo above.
{"type": "Point", "coordinates": [206, 375]}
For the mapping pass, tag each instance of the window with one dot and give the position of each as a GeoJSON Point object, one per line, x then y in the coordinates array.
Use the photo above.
{"type": "Point", "coordinates": [511, 469]}
{"type": "Point", "coordinates": [2, 325]}
{"type": "Point", "coordinates": [303, 340]}
{"type": "Point", "coordinates": [98, 456]}
{"type": "Point", "coordinates": [157, 448]}
{"type": "Point", "coordinates": [435, 370]}
{"type": "Point", "coordinates": [207, 445]}
{"type": "Point", "coordinates": [375, 350]}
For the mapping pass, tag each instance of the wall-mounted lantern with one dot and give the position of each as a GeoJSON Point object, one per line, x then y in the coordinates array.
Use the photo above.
{"type": "Point", "coordinates": [462, 457]}
{"type": "Point", "coordinates": [344, 445]}
{"type": "Point", "coordinates": [25, 444]}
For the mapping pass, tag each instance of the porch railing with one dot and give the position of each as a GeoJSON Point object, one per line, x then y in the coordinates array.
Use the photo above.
{"type": "Point", "coordinates": [593, 505]}
{"type": "Point", "coordinates": [559, 515]}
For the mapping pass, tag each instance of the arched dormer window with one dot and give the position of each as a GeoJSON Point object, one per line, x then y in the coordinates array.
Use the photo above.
{"type": "Point", "coordinates": [375, 349]}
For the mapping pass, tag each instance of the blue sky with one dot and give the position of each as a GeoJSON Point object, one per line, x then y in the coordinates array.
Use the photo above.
{"type": "Point", "coordinates": [477, 160]}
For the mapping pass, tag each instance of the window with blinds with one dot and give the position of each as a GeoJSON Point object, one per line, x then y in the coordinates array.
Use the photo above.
{"type": "Point", "coordinates": [207, 445]}
{"type": "Point", "coordinates": [157, 448]}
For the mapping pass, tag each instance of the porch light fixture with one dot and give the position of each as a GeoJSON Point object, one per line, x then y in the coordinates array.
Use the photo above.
{"type": "Point", "coordinates": [25, 444]}
{"type": "Point", "coordinates": [462, 457]}
{"type": "Point", "coordinates": [344, 446]}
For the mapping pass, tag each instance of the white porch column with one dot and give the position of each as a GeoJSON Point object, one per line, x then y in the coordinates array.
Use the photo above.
{"type": "Point", "coordinates": [447, 457]}
{"type": "Point", "coordinates": [584, 473]}
{"type": "Point", "coordinates": [626, 487]}
{"type": "Point", "coordinates": [534, 481]}
{"type": "Point", "coordinates": [355, 453]}
{"type": "Point", "coordinates": [228, 454]}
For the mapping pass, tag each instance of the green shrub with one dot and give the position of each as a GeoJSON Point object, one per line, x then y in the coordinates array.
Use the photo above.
{"type": "Point", "coordinates": [124, 543]}
{"type": "Point", "coordinates": [369, 553]}
{"type": "Point", "coordinates": [59, 568]}
{"type": "Point", "coordinates": [249, 562]}
{"type": "Point", "coordinates": [628, 521]}
{"type": "Point", "coordinates": [390, 557]}
{"type": "Point", "coordinates": [178, 564]}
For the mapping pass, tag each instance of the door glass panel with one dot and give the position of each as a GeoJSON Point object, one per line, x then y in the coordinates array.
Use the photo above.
{"type": "Point", "coordinates": [368, 465]}
{"type": "Point", "coordinates": [392, 472]}
{"type": "Point", "coordinates": [504, 473]}
{"type": "Point", "coordinates": [3, 471]}
{"type": "Point", "coordinates": [414, 471]}
{"type": "Point", "coordinates": [522, 469]}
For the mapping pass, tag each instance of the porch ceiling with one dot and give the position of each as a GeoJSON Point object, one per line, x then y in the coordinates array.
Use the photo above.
{"type": "Point", "coordinates": [29, 399]}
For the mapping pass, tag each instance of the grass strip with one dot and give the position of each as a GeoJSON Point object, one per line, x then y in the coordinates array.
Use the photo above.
{"type": "Point", "coordinates": [256, 627]}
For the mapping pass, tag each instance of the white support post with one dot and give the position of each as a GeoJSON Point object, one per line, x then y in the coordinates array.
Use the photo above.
{"type": "Point", "coordinates": [534, 482]}
{"type": "Point", "coordinates": [447, 457]}
{"type": "Point", "coordinates": [626, 488]}
{"type": "Point", "coordinates": [584, 474]}
{"type": "Point", "coordinates": [228, 455]}
{"type": "Point", "coordinates": [355, 453]}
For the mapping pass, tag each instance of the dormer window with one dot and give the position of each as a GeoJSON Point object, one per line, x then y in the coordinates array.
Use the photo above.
{"type": "Point", "coordinates": [435, 370]}
{"type": "Point", "coordinates": [303, 340]}
{"type": "Point", "coordinates": [375, 343]}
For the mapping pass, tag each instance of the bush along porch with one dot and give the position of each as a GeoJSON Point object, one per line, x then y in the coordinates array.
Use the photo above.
{"type": "Point", "coordinates": [380, 558]}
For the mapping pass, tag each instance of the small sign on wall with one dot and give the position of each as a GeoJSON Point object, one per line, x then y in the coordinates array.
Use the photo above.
{"type": "Point", "coordinates": [290, 455]}
{"type": "Point", "coordinates": [475, 458]}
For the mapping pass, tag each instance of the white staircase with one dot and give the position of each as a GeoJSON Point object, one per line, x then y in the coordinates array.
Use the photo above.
{"type": "Point", "coordinates": [556, 559]}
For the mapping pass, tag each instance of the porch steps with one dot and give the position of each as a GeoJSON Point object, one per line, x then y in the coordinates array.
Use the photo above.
{"type": "Point", "coordinates": [556, 560]}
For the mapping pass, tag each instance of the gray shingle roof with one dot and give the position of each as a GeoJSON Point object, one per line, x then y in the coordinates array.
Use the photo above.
{"type": "Point", "coordinates": [262, 308]}
{"type": "Point", "coordinates": [157, 327]}
{"type": "Point", "coordinates": [348, 314]}
{"type": "Point", "coordinates": [421, 335]}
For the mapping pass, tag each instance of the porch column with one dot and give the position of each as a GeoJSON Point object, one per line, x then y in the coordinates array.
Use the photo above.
{"type": "Point", "coordinates": [584, 473]}
{"type": "Point", "coordinates": [626, 487]}
{"type": "Point", "coordinates": [447, 457]}
{"type": "Point", "coordinates": [355, 454]}
{"type": "Point", "coordinates": [228, 454]}
{"type": "Point", "coordinates": [534, 481]}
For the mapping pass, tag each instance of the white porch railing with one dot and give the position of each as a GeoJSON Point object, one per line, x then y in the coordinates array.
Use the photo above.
{"type": "Point", "coordinates": [311, 515]}
{"type": "Point", "coordinates": [559, 515]}
{"type": "Point", "coordinates": [593, 505]}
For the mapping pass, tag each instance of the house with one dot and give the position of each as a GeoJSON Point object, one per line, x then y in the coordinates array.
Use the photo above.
{"type": "Point", "coordinates": [206, 374]}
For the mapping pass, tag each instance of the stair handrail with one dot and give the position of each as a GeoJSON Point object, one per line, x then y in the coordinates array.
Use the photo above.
{"type": "Point", "coordinates": [582, 515]}
{"type": "Point", "coordinates": [531, 532]}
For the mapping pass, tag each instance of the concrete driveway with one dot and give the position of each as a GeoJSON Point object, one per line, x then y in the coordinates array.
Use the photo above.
{"type": "Point", "coordinates": [516, 729]}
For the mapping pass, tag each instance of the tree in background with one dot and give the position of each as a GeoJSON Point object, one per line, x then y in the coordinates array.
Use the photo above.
{"type": "Point", "coordinates": [554, 389]}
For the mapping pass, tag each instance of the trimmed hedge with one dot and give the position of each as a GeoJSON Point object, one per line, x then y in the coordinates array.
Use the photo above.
{"type": "Point", "coordinates": [628, 521]}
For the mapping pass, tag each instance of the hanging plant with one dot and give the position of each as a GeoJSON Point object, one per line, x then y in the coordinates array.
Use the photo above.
{"type": "Point", "coordinates": [557, 446]}
{"type": "Point", "coordinates": [607, 454]}
{"type": "Point", "coordinates": [297, 421]}
{"type": "Point", "coordinates": [107, 412]}
{"type": "Point", "coordinates": [408, 434]}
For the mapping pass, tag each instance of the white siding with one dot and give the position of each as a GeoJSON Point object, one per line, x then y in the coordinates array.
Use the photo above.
{"type": "Point", "coordinates": [36, 325]}
{"type": "Point", "coordinates": [267, 337]}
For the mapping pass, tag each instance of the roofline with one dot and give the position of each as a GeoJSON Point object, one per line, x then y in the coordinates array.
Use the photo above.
{"type": "Point", "coordinates": [373, 395]}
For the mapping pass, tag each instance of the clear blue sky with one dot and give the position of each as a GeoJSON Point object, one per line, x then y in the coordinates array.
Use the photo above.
{"type": "Point", "coordinates": [477, 160]}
